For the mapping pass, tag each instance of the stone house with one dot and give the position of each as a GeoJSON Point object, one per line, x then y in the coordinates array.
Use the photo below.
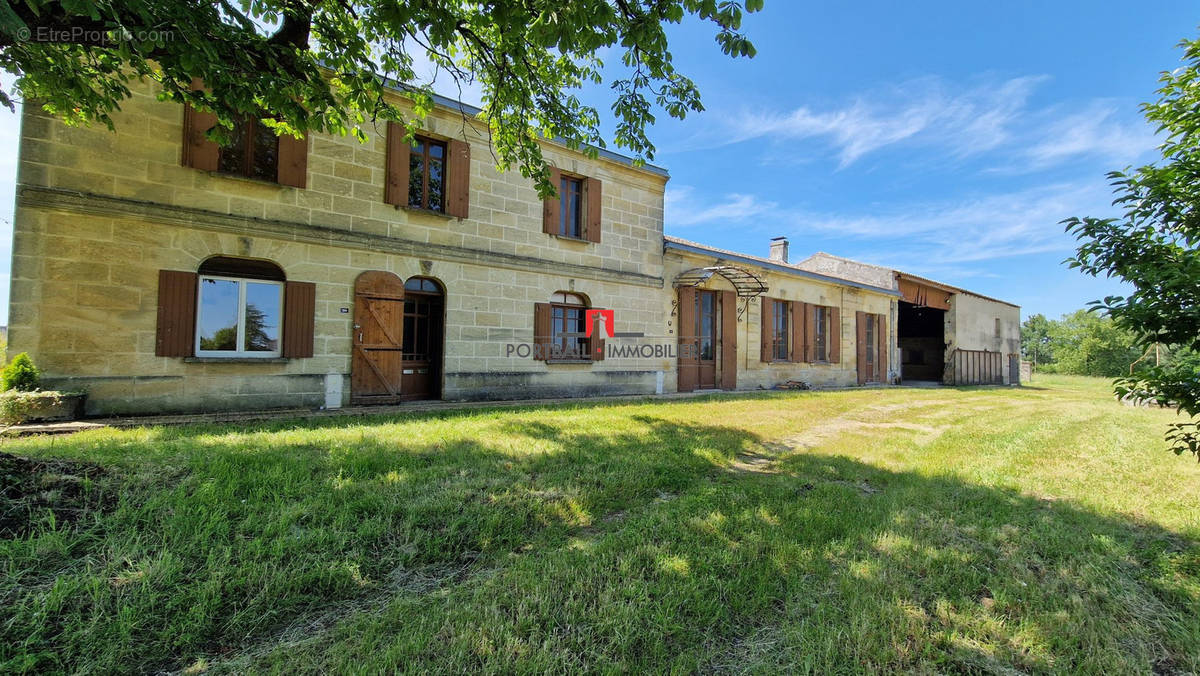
{"type": "Point", "coordinates": [160, 273]}
{"type": "Point", "coordinates": [943, 333]}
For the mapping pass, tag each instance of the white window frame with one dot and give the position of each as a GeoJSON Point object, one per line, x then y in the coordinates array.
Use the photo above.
{"type": "Point", "coordinates": [239, 353]}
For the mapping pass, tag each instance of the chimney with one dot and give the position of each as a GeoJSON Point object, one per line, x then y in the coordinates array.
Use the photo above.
{"type": "Point", "coordinates": [779, 247]}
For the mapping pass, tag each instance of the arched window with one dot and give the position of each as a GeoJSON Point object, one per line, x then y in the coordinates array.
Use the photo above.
{"type": "Point", "coordinates": [568, 325]}
{"type": "Point", "coordinates": [239, 309]}
{"type": "Point", "coordinates": [423, 285]}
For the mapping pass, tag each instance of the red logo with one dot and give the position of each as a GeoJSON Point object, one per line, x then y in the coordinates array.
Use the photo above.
{"type": "Point", "coordinates": [605, 315]}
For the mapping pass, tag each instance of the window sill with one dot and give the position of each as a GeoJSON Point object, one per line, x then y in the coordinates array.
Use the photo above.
{"type": "Point", "coordinates": [236, 360]}
{"type": "Point", "coordinates": [569, 361]}
{"type": "Point", "coordinates": [247, 179]}
{"type": "Point", "coordinates": [426, 212]}
{"type": "Point", "coordinates": [569, 238]}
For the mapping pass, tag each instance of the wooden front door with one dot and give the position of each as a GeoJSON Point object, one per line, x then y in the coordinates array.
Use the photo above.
{"type": "Point", "coordinates": [872, 348]}
{"type": "Point", "coordinates": [424, 324]}
{"type": "Point", "coordinates": [707, 319]}
{"type": "Point", "coordinates": [376, 364]}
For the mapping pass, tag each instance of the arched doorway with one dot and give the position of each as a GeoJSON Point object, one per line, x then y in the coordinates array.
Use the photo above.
{"type": "Point", "coordinates": [424, 337]}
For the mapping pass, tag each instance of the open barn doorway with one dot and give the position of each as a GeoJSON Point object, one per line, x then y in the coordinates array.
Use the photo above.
{"type": "Point", "coordinates": [922, 337]}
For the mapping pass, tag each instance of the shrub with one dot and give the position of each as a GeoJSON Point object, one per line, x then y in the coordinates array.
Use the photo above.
{"type": "Point", "coordinates": [20, 375]}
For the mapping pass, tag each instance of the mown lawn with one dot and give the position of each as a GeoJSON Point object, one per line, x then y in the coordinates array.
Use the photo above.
{"type": "Point", "coordinates": [1043, 529]}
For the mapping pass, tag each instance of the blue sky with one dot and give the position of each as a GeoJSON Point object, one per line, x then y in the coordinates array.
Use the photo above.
{"type": "Point", "coordinates": [944, 139]}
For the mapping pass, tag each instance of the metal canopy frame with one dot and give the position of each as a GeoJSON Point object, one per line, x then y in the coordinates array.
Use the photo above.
{"type": "Point", "coordinates": [748, 284]}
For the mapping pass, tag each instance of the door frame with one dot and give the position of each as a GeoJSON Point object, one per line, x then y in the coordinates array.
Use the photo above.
{"type": "Point", "coordinates": [687, 363]}
{"type": "Point", "coordinates": [439, 363]}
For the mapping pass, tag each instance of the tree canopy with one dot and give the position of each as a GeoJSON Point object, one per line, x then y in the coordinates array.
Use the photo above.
{"type": "Point", "coordinates": [1155, 247]}
{"type": "Point", "coordinates": [323, 65]}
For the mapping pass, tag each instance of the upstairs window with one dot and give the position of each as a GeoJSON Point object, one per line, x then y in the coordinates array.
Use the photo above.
{"type": "Point", "coordinates": [253, 151]}
{"type": "Point", "coordinates": [427, 175]}
{"type": "Point", "coordinates": [570, 199]}
{"type": "Point", "coordinates": [239, 308]}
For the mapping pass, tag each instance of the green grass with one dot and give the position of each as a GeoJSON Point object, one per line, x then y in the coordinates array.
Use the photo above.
{"type": "Point", "coordinates": [1042, 529]}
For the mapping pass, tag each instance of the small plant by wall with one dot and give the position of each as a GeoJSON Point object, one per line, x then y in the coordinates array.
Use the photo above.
{"type": "Point", "coordinates": [21, 375]}
{"type": "Point", "coordinates": [22, 400]}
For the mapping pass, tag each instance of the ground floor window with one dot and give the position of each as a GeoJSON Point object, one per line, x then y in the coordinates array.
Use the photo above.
{"type": "Point", "coordinates": [568, 326]}
{"type": "Point", "coordinates": [781, 311]}
{"type": "Point", "coordinates": [236, 315]}
{"type": "Point", "coordinates": [821, 333]}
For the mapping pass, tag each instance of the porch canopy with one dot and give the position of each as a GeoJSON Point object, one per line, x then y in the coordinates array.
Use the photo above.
{"type": "Point", "coordinates": [747, 284]}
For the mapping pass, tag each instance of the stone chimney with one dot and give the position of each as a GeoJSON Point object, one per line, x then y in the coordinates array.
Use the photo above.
{"type": "Point", "coordinates": [779, 249]}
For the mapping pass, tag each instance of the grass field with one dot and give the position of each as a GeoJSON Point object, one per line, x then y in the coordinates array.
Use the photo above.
{"type": "Point", "coordinates": [1042, 529]}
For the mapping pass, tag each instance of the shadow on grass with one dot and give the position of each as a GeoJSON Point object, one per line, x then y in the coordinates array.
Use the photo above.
{"type": "Point", "coordinates": [545, 547]}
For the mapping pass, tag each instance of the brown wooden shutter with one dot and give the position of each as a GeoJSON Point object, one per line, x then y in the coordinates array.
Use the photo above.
{"type": "Point", "coordinates": [596, 342]}
{"type": "Point", "coordinates": [881, 353]}
{"type": "Point", "coordinates": [395, 187]}
{"type": "Point", "coordinates": [810, 333]}
{"type": "Point", "coordinates": [299, 314]}
{"type": "Point", "coordinates": [293, 161]}
{"type": "Point", "coordinates": [542, 331]}
{"type": "Point", "coordinates": [766, 328]}
{"type": "Point", "coordinates": [458, 178]}
{"type": "Point", "coordinates": [592, 202]}
{"type": "Point", "coordinates": [198, 151]}
{"type": "Point", "coordinates": [729, 340]}
{"type": "Point", "coordinates": [176, 331]}
{"type": "Point", "coordinates": [860, 345]}
{"type": "Point", "coordinates": [550, 205]}
{"type": "Point", "coordinates": [835, 335]}
{"type": "Point", "coordinates": [687, 366]}
{"type": "Point", "coordinates": [796, 333]}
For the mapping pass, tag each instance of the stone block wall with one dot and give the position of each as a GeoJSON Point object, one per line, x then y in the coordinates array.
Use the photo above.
{"type": "Point", "coordinates": [753, 373]}
{"type": "Point", "coordinates": [99, 214]}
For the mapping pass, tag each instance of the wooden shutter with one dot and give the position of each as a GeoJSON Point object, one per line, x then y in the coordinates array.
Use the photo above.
{"type": "Point", "coordinates": [458, 178]}
{"type": "Point", "coordinates": [810, 332]}
{"type": "Point", "coordinates": [860, 345]}
{"type": "Point", "coordinates": [592, 203]}
{"type": "Point", "coordinates": [687, 366]}
{"type": "Point", "coordinates": [299, 314]}
{"type": "Point", "coordinates": [881, 352]}
{"type": "Point", "coordinates": [176, 331]}
{"type": "Point", "coordinates": [293, 161]}
{"type": "Point", "coordinates": [834, 339]}
{"type": "Point", "coordinates": [766, 328]}
{"type": "Point", "coordinates": [198, 151]}
{"type": "Point", "coordinates": [542, 332]}
{"type": "Point", "coordinates": [395, 187]}
{"type": "Point", "coordinates": [728, 340]}
{"type": "Point", "coordinates": [550, 205]}
{"type": "Point", "coordinates": [596, 342]}
{"type": "Point", "coordinates": [796, 334]}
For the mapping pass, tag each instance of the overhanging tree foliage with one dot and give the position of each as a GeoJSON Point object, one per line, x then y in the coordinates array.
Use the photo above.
{"type": "Point", "coordinates": [1154, 247]}
{"type": "Point", "coordinates": [321, 65]}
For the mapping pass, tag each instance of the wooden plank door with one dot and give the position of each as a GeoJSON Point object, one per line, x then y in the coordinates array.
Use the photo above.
{"type": "Point", "coordinates": [376, 365]}
{"type": "Point", "coordinates": [870, 347]}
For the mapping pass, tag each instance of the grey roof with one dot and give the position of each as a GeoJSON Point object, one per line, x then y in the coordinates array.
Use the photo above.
{"type": "Point", "coordinates": [695, 247]}
{"type": "Point", "coordinates": [467, 109]}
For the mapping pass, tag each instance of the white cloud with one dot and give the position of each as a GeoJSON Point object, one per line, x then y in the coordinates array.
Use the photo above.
{"type": "Point", "coordinates": [950, 122]}
{"type": "Point", "coordinates": [683, 207]}
{"type": "Point", "coordinates": [937, 237]}
{"type": "Point", "coordinates": [921, 111]}
{"type": "Point", "coordinates": [1094, 132]}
